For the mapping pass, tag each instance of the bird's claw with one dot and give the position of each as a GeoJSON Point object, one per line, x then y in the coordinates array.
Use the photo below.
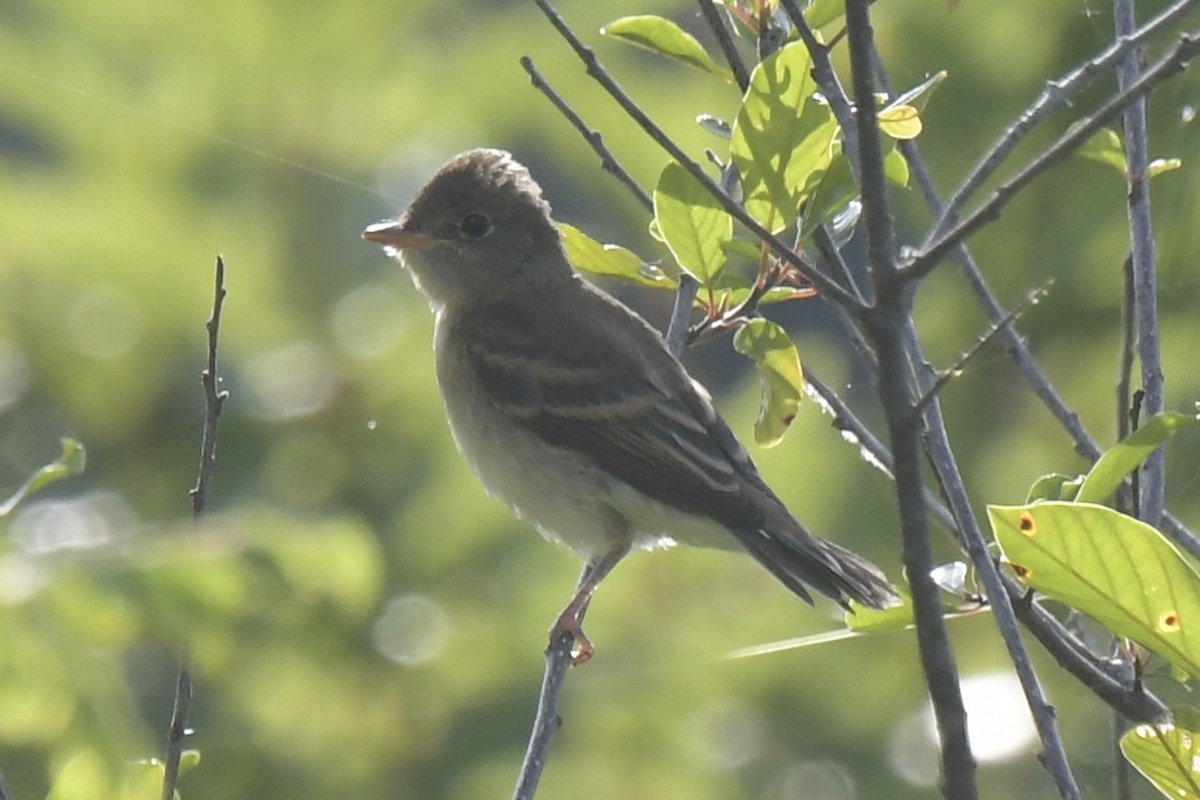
{"type": "Point", "coordinates": [568, 630]}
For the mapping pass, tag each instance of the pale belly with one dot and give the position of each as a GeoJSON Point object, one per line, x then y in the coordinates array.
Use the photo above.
{"type": "Point", "coordinates": [567, 496]}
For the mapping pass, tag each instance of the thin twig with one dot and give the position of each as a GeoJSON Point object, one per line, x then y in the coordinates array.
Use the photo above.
{"type": "Point", "coordinates": [930, 255]}
{"type": "Point", "coordinates": [873, 451]}
{"type": "Point", "coordinates": [214, 400]}
{"type": "Point", "coordinates": [558, 654]}
{"type": "Point", "coordinates": [1134, 702]}
{"type": "Point", "coordinates": [547, 720]}
{"type": "Point", "coordinates": [827, 79]}
{"type": "Point", "coordinates": [597, 72]}
{"type": "Point", "coordinates": [708, 10]}
{"type": "Point", "coordinates": [949, 373]}
{"type": "Point", "coordinates": [607, 162]}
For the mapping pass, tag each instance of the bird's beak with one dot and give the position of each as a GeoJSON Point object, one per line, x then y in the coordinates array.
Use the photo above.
{"type": "Point", "coordinates": [391, 233]}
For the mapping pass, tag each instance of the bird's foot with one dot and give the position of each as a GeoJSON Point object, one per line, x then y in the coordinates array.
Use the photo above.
{"type": "Point", "coordinates": [568, 630]}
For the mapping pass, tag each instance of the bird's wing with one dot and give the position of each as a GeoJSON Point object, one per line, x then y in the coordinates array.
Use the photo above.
{"type": "Point", "coordinates": [612, 393]}
{"type": "Point", "coordinates": [616, 397]}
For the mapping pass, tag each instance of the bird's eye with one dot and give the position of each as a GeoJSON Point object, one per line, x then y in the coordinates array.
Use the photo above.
{"type": "Point", "coordinates": [475, 226]}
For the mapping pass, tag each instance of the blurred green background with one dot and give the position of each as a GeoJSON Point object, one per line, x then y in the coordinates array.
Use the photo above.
{"type": "Point", "coordinates": [364, 621]}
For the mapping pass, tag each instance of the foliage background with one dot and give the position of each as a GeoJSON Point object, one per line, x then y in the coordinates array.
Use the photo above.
{"type": "Point", "coordinates": [137, 140]}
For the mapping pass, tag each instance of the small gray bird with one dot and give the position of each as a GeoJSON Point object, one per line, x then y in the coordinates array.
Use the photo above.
{"type": "Point", "coordinates": [570, 408]}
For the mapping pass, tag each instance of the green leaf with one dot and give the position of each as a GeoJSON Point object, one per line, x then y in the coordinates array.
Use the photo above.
{"type": "Point", "coordinates": [820, 13]}
{"type": "Point", "coordinates": [1117, 570]}
{"type": "Point", "coordinates": [900, 121]}
{"type": "Point", "coordinates": [1167, 753]}
{"type": "Point", "coordinates": [71, 462]}
{"type": "Point", "coordinates": [783, 139]}
{"type": "Point", "coordinates": [692, 223]}
{"type": "Point", "coordinates": [1104, 146]}
{"type": "Point", "coordinates": [895, 167]}
{"type": "Point", "coordinates": [1116, 464]}
{"type": "Point", "coordinates": [744, 248]}
{"type": "Point", "coordinates": [878, 620]}
{"type": "Point", "coordinates": [1055, 486]}
{"type": "Point", "coordinates": [664, 37]}
{"type": "Point", "coordinates": [780, 373]}
{"type": "Point", "coordinates": [610, 260]}
{"type": "Point", "coordinates": [836, 189]}
{"type": "Point", "coordinates": [1160, 165]}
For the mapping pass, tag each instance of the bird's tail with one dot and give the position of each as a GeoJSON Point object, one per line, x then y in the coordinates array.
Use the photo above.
{"type": "Point", "coordinates": [801, 560]}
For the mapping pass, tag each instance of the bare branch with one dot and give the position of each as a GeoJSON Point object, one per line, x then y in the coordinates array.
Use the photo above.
{"type": "Point", "coordinates": [1142, 256]}
{"type": "Point", "coordinates": [547, 720]}
{"type": "Point", "coordinates": [930, 255]}
{"type": "Point", "coordinates": [886, 322]}
{"type": "Point", "coordinates": [994, 329]}
{"type": "Point", "coordinates": [716, 24]}
{"type": "Point", "coordinates": [1056, 95]}
{"type": "Point", "coordinates": [214, 400]}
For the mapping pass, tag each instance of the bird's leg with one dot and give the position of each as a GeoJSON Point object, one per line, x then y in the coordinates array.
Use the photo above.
{"type": "Point", "coordinates": [570, 621]}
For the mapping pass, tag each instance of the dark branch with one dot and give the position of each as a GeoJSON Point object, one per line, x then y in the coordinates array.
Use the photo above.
{"type": "Point", "coordinates": [1142, 255]}
{"type": "Point", "coordinates": [708, 9]}
{"type": "Point", "coordinates": [994, 329]}
{"type": "Point", "coordinates": [607, 161]}
{"type": "Point", "coordinates": [1057, 94]}
{"type": "Point", "coordinates": [214, 400]}
{"type": "Point", "coordinates": [886, 323]}
{"type": "Point", "coordinates": [547, 721]}
{"type": "Point", "coordinates": [926, 259]}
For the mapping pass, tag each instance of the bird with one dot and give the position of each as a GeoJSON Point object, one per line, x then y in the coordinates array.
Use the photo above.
{"type": "Point", "coordinates": [569, 407]}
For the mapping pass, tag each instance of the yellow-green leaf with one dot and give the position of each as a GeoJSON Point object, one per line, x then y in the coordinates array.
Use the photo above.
{"type": "Point", "coordinates": [780, 373]}
{"type": "Point", "coordinates": [664, 37]}
{"type": "Point", "coordinates": [610, 260]}
{"type": "Point", "coordinates": [692, 223]}
{"type": "Point", "coordinates": [1160, 165]}
{"type": "Point", "coordinates": [1116, 464]}
{"type": "Point", "coordinates": [782, 139]}
{"type": "Point", "coordinates": [878, 620]}
{"type": "Point", "coordinates": [1055, 486]}
{"type": "Point", "coordinates": [895, 167]}
{"type": "Point", "coordinates": [1168, 753]}
{"type": "Point", "coordinates": [1104, 146]}
{"type": "Point", "coordinates": [819, 13]}
{"type": "Point", "coordinates": [71, 462]}
{"type": "Point", "coordinates": [1113, 568]}
{"type": "Point", "coordinates": [900, 122]}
